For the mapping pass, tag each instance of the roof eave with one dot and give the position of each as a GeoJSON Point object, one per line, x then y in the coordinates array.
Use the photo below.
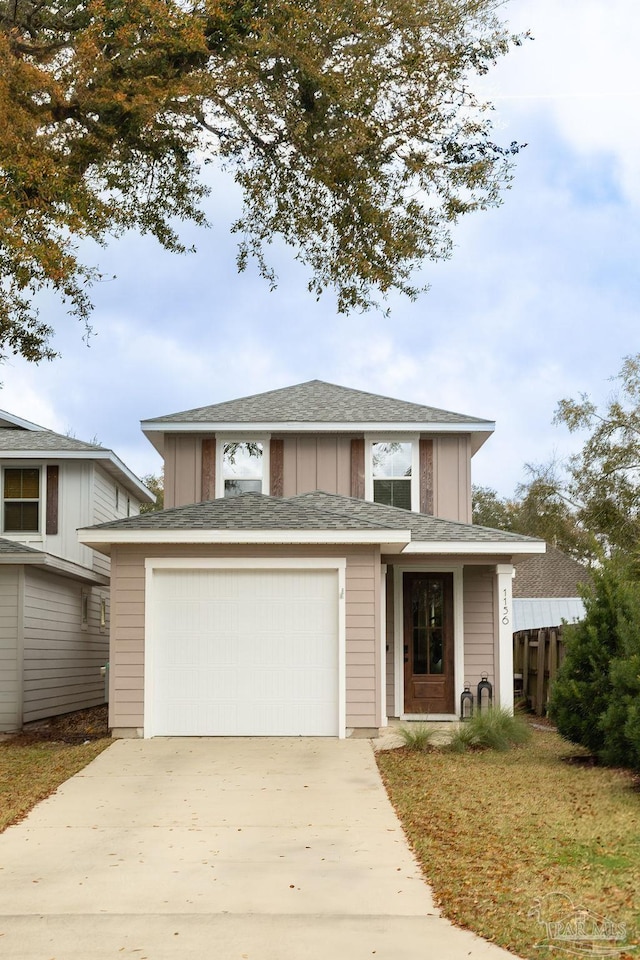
{"type": "Point", "coordinates": [514, 549]}
{"type": "Point", "coordinates": [107, 458]}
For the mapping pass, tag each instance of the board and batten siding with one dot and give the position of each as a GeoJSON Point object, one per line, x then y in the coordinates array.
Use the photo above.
{"type": "Point", "coordinates": [126, 694]}
{"type": "Point", "coordinates": [316, 463]}
{"type": "Point", "coordinates": [452, 478]}
{"type": "Point", "coordinates": [479, 624]}
{"type": "Point", "coordinates": [182, 469]}
{"type": "Point", "coordinates": [62, 659]}
{"type": "Point", "coordinates": [10, 648]}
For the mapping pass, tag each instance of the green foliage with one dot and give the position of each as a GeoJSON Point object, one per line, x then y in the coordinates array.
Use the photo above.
{"type": "Point", "coordinates": [154, 483]}
{"type": "Point", "coordinates": [604, 482]}
{"type": "Point", "coordinates": [595, 699]}
{"type": "Point", "coordinates": [492, 729]}
{"type": "Point", "coordinates": [417, 737]}
{"type": "Point", "coordinates": [351, 128]}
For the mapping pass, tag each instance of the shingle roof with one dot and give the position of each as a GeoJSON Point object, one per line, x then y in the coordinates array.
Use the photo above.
{"type": "Point", "coordinates": [309, 511]}
{"type": "Point", "coordinates": [11, 547]}
{"type": "Point", "coordinates": [317, 402]}
{"type": "Point", "coordinates": [552, 574]}
{"type": "Point", "coordinates": [248, 511]}
{"type": "Point", "coordinates": [423, 527]}
{"type": "Point", "coordinates": [41, 440]}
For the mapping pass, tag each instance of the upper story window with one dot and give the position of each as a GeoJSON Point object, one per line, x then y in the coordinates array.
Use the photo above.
{"type": "Point", "coordinates": [392, 470]}
{"type": "Point", "coordinates": [242, 467]}
{"type": "Point", "coordinates": [391, 467]}
{"type": "Point", "coordinates": [21, 500]}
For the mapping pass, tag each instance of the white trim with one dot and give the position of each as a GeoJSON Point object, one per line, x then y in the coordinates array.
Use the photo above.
{"type": "Point", "coordinates": [339, 564]}
{"type": "Point", "coordinates": [20, 422]}
{"type": "Point", "coordinates": [222, 438]}
{"type": "Point", "coordinates": [412, 438]}
{"type": "Point", "coordinates": [319, 426]}
{"type": "Point", "coordinates": [94, 536]}
{"type": "Point", "coordinates": [398, 638]}
{"type": "Point", "coordinates": [53, 456]}
{"type": "Point", "coordinates": [428, 717]}
{"type": "Point", "coordinates": [504, 609]}
{"type": "Point", "coordinates": [382, 689]}
{"type": "Point", "coordinates": [511, 547]}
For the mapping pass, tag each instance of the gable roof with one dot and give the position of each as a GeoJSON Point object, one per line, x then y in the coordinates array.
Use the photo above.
{"type": "Point", "coordinates": [552, 575]}
{"type": "Point", "coordinates": [316, 406]}
{"type": "Point", "coordinates": [22, 440]}
{"type": "Point", "coordinates": [308, 518]}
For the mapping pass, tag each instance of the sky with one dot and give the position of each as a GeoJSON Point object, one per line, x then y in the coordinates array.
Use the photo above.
{"type": "Point", "coordinates": [540, 300]}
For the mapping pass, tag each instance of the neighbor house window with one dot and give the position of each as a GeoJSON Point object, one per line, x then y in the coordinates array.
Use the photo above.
{"type": "Point", "coordinates": [21, 500]}
{"type": "Point", "coordinates": [391, 468]}
{"type": "Point", "coordinates": [242, 467]}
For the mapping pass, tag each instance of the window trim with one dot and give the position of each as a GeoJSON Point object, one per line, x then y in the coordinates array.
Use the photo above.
{"type": "Point", "coordinates": [414, 440]}
{"type": "Point", "coordinates": [42, 494]}
{"type": "Point", "coordinates": [222, 438]}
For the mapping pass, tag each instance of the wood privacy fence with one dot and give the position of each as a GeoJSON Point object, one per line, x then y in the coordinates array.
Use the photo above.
{"type": "Point", "coordinates": [537, 655]}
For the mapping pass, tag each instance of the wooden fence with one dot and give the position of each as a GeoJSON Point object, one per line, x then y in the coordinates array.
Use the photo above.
{"type": "Point", "coordinates": [537, 655]}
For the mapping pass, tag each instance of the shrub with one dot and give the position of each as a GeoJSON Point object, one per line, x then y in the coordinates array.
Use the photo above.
{"type": "Point", "coordinates": [595, 699]}
{"type": "Point", "coordinates": [493, 729]}
{"type": "Point", "coordinates": [418, 737]}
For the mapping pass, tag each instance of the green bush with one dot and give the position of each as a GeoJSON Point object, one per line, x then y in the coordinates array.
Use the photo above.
{"type": "Point", "coordinates": [418, 737]}
{"type": "Point", "coordinates": [493, 729]}
{"type": "Point", "coordinates": [595, 699]}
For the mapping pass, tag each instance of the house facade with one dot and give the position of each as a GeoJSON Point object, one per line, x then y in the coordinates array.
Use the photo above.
{"type": "Point", "coordinates": [315, 571]}
{"type": "Point", "coordinates": [54, 591]}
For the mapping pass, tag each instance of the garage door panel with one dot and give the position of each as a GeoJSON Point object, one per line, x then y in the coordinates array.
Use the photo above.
{"type": "Point", "coordinates": [245, 652]}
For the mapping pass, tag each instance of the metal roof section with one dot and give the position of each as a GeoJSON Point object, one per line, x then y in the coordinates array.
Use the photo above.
{"type": "Point", "coordinates": [316, 407]}
{"type": "Point", "coordinates": [541, 612]}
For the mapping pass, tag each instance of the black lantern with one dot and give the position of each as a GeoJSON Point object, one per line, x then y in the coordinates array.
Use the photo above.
{"type": "Point", "coordinates": [466, 703]}
{"type": "Point", "coordinates": [485, 687]}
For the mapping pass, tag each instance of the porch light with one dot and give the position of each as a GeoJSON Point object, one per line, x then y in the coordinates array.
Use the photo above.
{"type": "Point", "coordinates": [466, 703]}
{"type": "Point", "coordinates": [485, 687]}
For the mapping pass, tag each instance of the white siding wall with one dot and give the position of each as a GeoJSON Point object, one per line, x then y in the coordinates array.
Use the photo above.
{"type": "Point", "coordinates": [10, 650]}
{"type": "Point", "coordinates": [111, 501]}
{"type": "Point", "coordinates": [61, 659]}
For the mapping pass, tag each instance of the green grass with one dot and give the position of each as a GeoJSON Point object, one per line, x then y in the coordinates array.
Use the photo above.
{"type": "Point", "coordinates": [494, 729]}
{"type": "Point", "coordinates": [497, 831]}
{"type": "Point", "coordinates": [32, 769]}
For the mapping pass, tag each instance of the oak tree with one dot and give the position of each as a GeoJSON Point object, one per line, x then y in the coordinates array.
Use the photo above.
{"type": "Point", "coordinates": [351, 127]}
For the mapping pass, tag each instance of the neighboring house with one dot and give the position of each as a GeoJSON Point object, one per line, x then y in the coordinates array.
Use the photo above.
{"type": "Point", "coordinates": [315, 571]}
{"type": "Point", "coordinates": [54, 591]}
{"type": "Point", "coordinates": [546, 591]}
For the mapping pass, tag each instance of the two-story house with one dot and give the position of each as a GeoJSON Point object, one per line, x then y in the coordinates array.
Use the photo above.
{"type": "Point", "coordinates": [54, 591]}
{"type": "Point", "coordinates": [315, 571]}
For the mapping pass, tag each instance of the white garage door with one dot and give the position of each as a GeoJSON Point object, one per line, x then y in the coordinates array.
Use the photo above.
{"type": "Point", "coordinates": [243, 653]}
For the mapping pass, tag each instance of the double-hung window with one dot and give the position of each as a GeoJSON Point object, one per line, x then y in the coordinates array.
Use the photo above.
{"type": "Point", "coordinates": [21, 488]}
{"type": "Point", "coordinates": [242, 467]}
{"type": "Point", "coordinates": [392, 471]}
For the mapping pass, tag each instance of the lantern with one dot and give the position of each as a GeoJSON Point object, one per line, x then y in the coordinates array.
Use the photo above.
{"type": "Point", "coordinates": [466, 703]}
{"type": "Point", "coordinates": [485, 687]}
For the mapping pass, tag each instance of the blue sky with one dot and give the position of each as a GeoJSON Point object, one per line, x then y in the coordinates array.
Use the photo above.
{"type": "Point", "coordinates": [540, 300]}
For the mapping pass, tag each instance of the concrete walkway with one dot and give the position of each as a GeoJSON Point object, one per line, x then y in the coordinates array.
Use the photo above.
{"type": "Point", "coordinates": [221, 849]}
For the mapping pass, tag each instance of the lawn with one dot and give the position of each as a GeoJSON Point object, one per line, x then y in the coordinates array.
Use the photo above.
{"type": "Point", "coordinates": [508, 839]}
{"type": "Point", "coordinates": [35, 763]}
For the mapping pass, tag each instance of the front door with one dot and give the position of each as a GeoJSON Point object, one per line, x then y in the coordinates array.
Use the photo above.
{"type": "Point", "coordinates": [428, 643]}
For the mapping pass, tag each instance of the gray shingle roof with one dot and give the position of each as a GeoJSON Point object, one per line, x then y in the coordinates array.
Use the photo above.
{"type": "Point", "coordinates": [45, 441]}
{"type": "Point", "coordinates": [248, 511]}
{"type": "Point", "coordinates": [309, 511]}
{"type": "Point", "coordinates": [10, 547]}
{"type": "Point", "coordinates": [317, 402]}
{"type": "Point", "coordinates": [552, 574]}
{"type": "Point", "coordinates": [423, 527]}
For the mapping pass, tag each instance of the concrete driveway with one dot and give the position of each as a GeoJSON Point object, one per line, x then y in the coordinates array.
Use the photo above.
{"type": "Point", "coordinates": [221, 849]}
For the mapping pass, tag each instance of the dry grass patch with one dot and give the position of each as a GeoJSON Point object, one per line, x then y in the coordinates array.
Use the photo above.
{"type": "Point", "coordinates": [34, 763]}
{"type": "Point", "coordinates": [496, 831]}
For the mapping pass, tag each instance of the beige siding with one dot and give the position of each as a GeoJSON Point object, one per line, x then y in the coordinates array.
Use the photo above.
{"type": "Point", "coordinates": [479, 627]}
{"type": "Point", "coordinates": [61, 659]}
{"type": "Point", "coordinates": [182, 469]}
{"type": "Point", "coordinates": [10, 649]}
{"type": "Point", "coordinates": [126, 701]}
{"type": "Point", "coordinates": [452, 478]}
{"type": "Point", "coordinates": [317, 463]}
